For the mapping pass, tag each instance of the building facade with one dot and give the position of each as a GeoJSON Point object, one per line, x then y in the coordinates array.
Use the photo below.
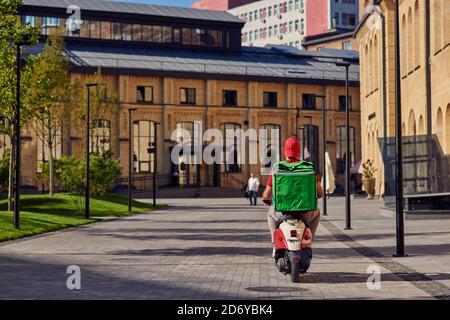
{"type": "Point", "coordinates": [288, 22]}
{"type": "Point", "coordinates": [325, 15]}
{"type": "Point", "coordinates": [425, 83]}
{"type": "Point", "coordinates": [334, 39]}
{"type": "Point", "coordinates": [193, 81]}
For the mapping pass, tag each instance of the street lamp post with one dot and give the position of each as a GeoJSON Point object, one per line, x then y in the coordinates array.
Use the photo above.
{"type": "Point", "coordinates": [155, 160]}
{"type": "Point", "coordinates": [348, 222]}
{"type": "Point", "coordinates": [310, 137]}
{"type": "Point", "coordinates": [324, 146]}
{"type": "Point", "coordinates": [400, 230]}
{"type": "Point", "coordinates": [25, 41]}
{"type": "Point", "coordinates": [88, 110]}
{"type": "Point", "coordinates": [130, 160]}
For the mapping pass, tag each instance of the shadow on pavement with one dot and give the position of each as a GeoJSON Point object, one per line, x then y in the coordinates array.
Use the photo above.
{"type": "Point", "coordinates": [29, 279]}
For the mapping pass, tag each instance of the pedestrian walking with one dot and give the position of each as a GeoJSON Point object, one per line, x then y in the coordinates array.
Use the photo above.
{"type": "Point", "coordinates": [252, 188]}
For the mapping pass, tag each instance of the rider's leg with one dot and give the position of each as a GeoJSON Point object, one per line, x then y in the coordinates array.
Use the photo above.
{"type": "Point", "coordinates": [312, 219]}
{"type": "Point", "coordinates": [272, 219]}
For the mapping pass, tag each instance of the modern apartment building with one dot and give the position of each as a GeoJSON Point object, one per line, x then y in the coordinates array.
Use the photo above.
{"type": "Point", "coordinates": [272, 22]}
{"type": "Point", "coordinates": [186, 69]}
{"type": "Point", "coordinates": [288, 22]}
{"type": "Point", "coordinates": [324, 15]}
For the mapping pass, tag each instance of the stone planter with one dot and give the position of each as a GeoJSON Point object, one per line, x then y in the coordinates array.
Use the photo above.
{"type": "Point", "coordinates": [369, 187]}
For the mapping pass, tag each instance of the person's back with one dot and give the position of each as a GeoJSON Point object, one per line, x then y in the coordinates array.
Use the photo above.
{"type": "Point", "coordinates": [291, 151]}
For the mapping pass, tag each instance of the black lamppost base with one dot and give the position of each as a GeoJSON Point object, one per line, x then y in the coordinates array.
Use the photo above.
{"type": "Point", "coordinates": [396, 255]}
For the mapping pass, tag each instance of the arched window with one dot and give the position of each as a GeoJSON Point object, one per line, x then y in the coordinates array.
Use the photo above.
{"type": "Point", "coordinates": [374, 146]}
{"type": "Point", "coordinates": [437, 27]}
{"type": "Point", "coordinates": [371, 64]}
{"type": "Point", "coordinates": [143, 141]}
{"type": "Point", "coordinates": [421, 126]}
{"type": "Point", "coordinates": [404, 47]}
{"type": "Point", "coordinates": [447, 129]}
{"type": "Point", "coordinates": [188, 168]}
{"type": "Point", "coordinates": [43, 149]}
{"type": "Point", "coordinates": [308, 135]}
{"type": "Point", "coordinates": [232, 139]}
{"type": "Point", "coordinates": [440, 126]}
{"type": "Point", "coordinates": [366, 70]}
{"type": "Point", "coordinates": [410, 51]}
{"type": "Point", "coordinates": [412, 124]}
{"type": "Point", "coordinates": [101, 136]}
{"type": "Point", "coordinates": [341, 150]}
{"type": "Point", "coordinates": [417, 33]}
{"type": "Point", "coordinates": [376, 63]}
{"type": "Point", "coordinates": [446, 23]}
{"type": "Point", "coordinates": [273, 144]}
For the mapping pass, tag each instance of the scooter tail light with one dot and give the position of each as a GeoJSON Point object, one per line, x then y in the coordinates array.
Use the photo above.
{"type": "Point", "coordinates": [293, 233]}
{"type": "Point", "coordinates": [307, 235]}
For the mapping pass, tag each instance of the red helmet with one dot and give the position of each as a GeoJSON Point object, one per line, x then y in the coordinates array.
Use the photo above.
{"type": "Point", "coordinates": [292, 148]}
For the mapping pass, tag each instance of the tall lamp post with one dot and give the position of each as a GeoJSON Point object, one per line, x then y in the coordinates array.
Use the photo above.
{"type": "Point", "coordinates": [130, 160]}
{"type": "Point", "coordinates": [25, 41]}
{"type": "Point", "coordinates": [310, 137]}
{"type": "Point", "coordinates": [154, 149]}
{"type": "Point", "coordinates": [88, 110]}
{"type": "Point", "coordinates": [324, 146]}
{"type": "Point", "coordinates": [348, 221]}
{"type": "Point", "coordinates": [400, 234]}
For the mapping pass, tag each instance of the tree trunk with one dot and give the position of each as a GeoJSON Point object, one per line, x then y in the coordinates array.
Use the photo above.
{"type": "Point", "coordinates": [51, 173]}
{"type": "Point", "coordinates": [11, 176]}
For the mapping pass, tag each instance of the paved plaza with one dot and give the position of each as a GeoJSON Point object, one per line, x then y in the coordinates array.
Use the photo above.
{"type": "Point", "coordinates": [220, 249]}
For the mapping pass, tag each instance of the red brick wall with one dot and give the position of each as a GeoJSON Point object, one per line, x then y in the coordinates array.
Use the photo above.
{"type": "Point", "coordinates": [221, 5]}
{"type": "Point", "coordinates": [316, 16]}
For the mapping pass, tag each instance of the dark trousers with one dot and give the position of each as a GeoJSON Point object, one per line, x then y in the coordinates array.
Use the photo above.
{"type": "Point", "coordinates": [252, 195]}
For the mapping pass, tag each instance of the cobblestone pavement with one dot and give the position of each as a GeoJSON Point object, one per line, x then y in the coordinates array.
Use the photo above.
{"type": "Point", "coordinates": [218, 249]}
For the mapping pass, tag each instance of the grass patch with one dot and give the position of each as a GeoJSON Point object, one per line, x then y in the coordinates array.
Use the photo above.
{"type": "Point", "coordinates": [41, 213]}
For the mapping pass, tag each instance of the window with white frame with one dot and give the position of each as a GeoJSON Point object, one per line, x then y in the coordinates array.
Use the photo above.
{"type": "Point", "coordinates": [143, 141]}
{"type": "Point", "coordinates": [101, 136]}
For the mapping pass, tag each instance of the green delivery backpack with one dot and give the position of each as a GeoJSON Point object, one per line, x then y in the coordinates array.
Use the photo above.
{"type": "Point", "coordinates": [294, 186]}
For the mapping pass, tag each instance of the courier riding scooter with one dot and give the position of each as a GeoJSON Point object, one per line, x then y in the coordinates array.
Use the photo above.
{"type": "Point", "coordinates": [294, 192]}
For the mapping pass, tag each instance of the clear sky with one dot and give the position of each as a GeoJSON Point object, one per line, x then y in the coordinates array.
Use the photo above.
{"type": "Point", "coordinates": [178, 3]}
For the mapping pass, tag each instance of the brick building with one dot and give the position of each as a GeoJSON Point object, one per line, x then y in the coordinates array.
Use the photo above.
{"type": "Point", "coordinates": [221, 5]}
{"type": "Point", "coordinates": [425, 83]}
{"type": "Point", "coordinates": [186, 69]}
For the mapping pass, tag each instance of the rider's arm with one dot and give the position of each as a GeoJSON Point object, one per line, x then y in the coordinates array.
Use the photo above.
{"type": "Point", "coordinates": [319, 187]}
{"type": "Point", "coordinates": [267, 194]}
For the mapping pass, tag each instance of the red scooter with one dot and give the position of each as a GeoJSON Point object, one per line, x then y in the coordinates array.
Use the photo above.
{"type": "Point", "coordinates": [292, 241]}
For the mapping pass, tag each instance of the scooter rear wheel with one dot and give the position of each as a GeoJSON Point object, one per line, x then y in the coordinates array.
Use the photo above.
{"type": "Point", "coordinates": [295, 271]}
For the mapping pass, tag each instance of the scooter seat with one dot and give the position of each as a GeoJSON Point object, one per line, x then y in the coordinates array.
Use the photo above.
{"type": "Point", "coordinates": [290, 216]}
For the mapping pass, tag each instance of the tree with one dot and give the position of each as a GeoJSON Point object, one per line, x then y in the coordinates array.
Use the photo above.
{"type": "Point", "coordinates": [102, 104]}
{"type": "Point", "coordinates": [11, 32]}
{"type": "Point", "coordinates": [4, 170]}
{"type": "Point", "coordinates": [51, 92]}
